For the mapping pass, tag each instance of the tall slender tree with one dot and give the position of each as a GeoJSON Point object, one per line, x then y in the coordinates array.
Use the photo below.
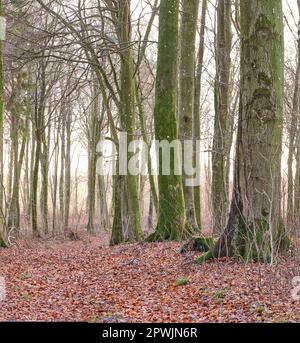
{"type": "Point", "coordinates": [68, 168]}
{"type": "Point", "coordinates": [221, 124]}
{"type": "Point", "coordinates": [39, 127]}
{"type": "Point", "coordinates": [188, 31]}
{"type": "Point", "coordinates": [2, 219]}
{"type": "Point", "coordinates": [129, 205]}
{"type": "Point", "coordinates": [293, 199]}
{"type": "Point", "coordinates": [19, 123]}
{"type": "Point", "coordinates": [197, 113]}
{"type": "Point", "coordinates": [93, 133]}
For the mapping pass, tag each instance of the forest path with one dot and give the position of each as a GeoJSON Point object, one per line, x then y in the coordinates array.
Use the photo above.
{"type": "Point", "coordinates": [80, 281]}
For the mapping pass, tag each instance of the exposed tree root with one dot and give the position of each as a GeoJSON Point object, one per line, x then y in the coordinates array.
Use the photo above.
{"type": "Point", "coordinates": [198, 243]}
{"type": "Point", "coordinates": [249, 245]}
{"type": "Point", "coordinates": [2, 243]}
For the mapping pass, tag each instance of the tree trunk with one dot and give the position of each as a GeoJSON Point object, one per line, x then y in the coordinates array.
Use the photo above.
{"type": "Point", "coordinates": [13, 221]}
{"type": "Point", "coordinates": [55, 180]}
{"type": "Point", "coordinates": [141, 112]}
{"type": "Point", "coordinates": [186, 96]}
{"type": "Point", "coordinates": [2, 219]}
{"type": "Point", "coordinates": [117, 236]}
{"type": "Point", "coordinates": [197, 115]}
{"type": "Point", "coordinates": [131, 206]}
{"type": "Point", "coordinates": [293, 201]}
{"type": "Point", "coordinates": [102, 191]}
{"type": "Point", "coordinates": [92, 133]}
{"type": "Point", "coordinates": [254, 229]}
{"type": "Point", "coordinates": [62, 164]}
{"type": "Point", "coordinates": [31, 171]}
{"type": "Point", "coordinates": [104, 219]}
{"type": "Point", "coordinates": [68, 170]}
{"type": "Point", "coordinates": [171, 208]}
{"type": "Point", "coordinates": [221, 124]}
{"type": "Point", "coordinates": [37, 120]}
{"type": "Point", "coordinates": [34, 188]}
{"type": "Point", "coordinates": [44, 173]}
{"type": "Point", "coordinates": [26, 178]}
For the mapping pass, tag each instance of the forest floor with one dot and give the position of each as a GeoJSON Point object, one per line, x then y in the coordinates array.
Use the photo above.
{"type": "Point", "coordinates": [84, 281]}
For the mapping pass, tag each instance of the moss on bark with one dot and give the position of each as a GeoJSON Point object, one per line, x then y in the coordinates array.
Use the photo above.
{"type": "Point", "coordinates": [2, 241]}
{"type": "Point", "coordinates": [171, 208]}
{"type": "Point", "coordinates": [127, 217]}
{"type": "Point", "coordinates": [254, 230]}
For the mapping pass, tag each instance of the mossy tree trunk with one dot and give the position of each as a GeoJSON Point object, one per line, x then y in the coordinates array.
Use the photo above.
{"type": "Point", "coordinates": [129, 204]}
{"type": "Point", "coordinates": [92, 161]}
{"type": "Point", "coordinates": [197, 113]}
{"type": "Point", "coordinates": [171, 208]}
{"type": "Point", "coordinates": [13, 221]}
{"type": "Point", "coordinates": [188, 30]}
{"type": "Point", "coordinates": [254, 228]}
{"type": "Point", "coordinates": [221, 123]}
{"type": "Point", "coordinates": [117, 236]}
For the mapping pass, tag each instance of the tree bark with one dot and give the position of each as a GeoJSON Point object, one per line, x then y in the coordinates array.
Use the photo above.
{"type": "Point", "coordinates": [131, 214]}
{"type": "Point", "coordinates": [171, 209]}
{"type": "Point", "coordinates": [293, 196]}
{"type": "Point", "coordinates": [39, 128]}
{"type": "Point", "coordinates": [63, 114]}
{"type": "Point", "coordinates": [2, 218]}
{"type": "Point", "coordinates": [68, 169]}
{"type": "Point", "coordinates": [92, 142]}
{"type": "Point", "coordinates": [13, 221]}
{"type": "Point", "coordinates": [197, 114]}
{"type": "Point", "coordinates": [189, 19]}
{"type": "Point", "coordinates": [55, 180]}
{"type": "Point", "coordinates": [221, 124]}
{"type": "Point", "coordinates": [254, 229]}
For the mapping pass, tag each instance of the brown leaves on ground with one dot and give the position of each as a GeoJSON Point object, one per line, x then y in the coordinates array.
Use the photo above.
{"type": "Point", "coordinates": [81, 281]}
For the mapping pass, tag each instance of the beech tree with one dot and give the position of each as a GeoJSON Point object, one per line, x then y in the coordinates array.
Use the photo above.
{"type": "Point", "coordinates": [171, 208]}
{"type": "Point", "coordinates": [94, 70]}
{"type": "Point", "coordinates": [127, 185]}
{"type": "Point", "coordinates": [221, 120]}
{"type": "Point", "coordinates": [255, 229]}
{"type": "Point", "coordinates": [186, 94]}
